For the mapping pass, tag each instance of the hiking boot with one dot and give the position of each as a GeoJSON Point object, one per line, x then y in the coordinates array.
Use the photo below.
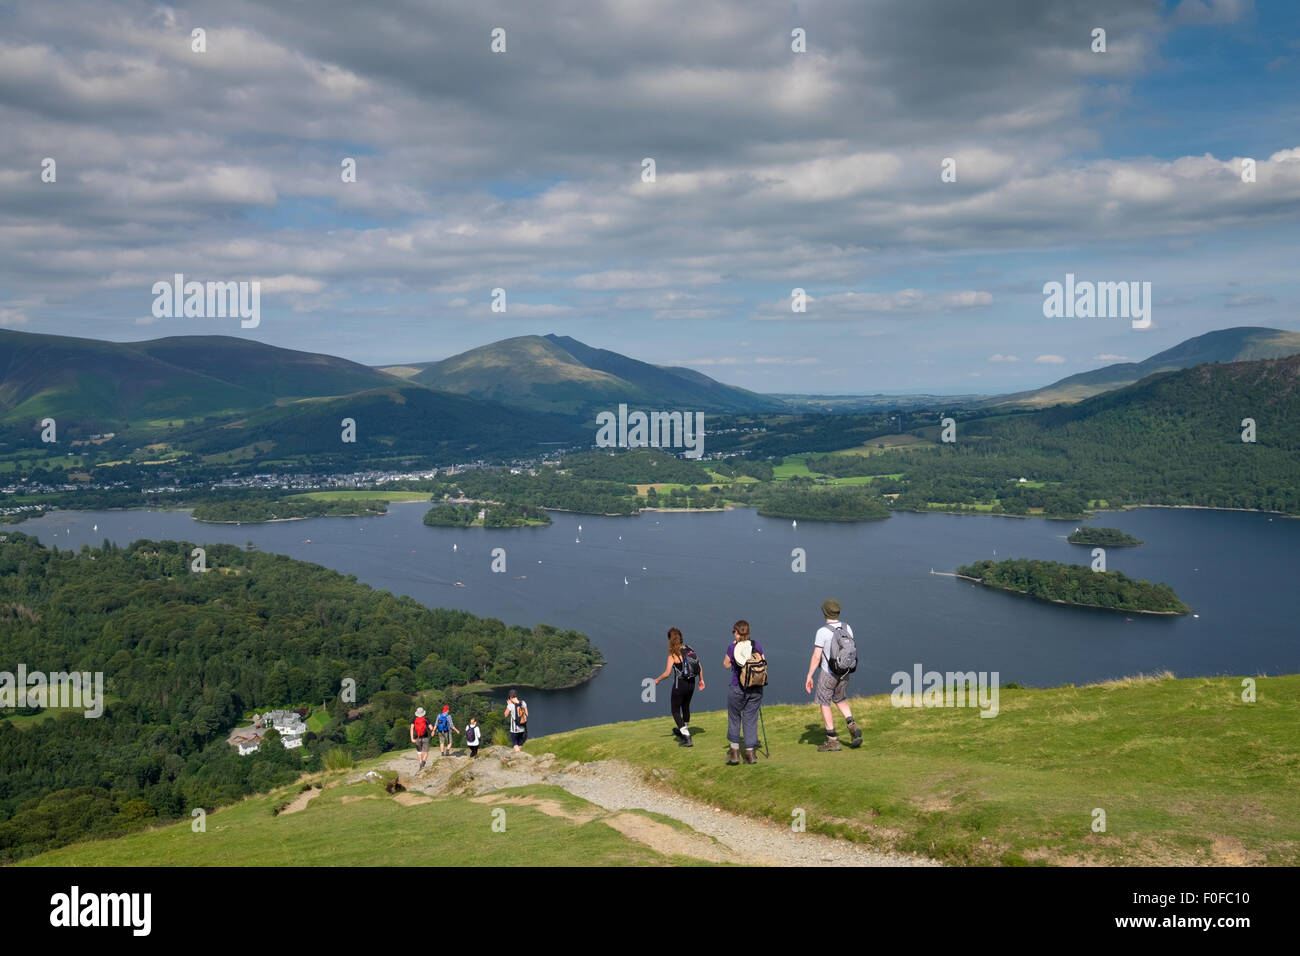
{"type": "Point", "coordinates": [750, 756]}
{"type": "Point", "coordinates": [686, 742]}
{"type": "Point", "coordinates": [832, 743]}
{"type": "Point", "coordinates": [856, 731]}
{"type": "Point", "coordinates": [733, 757]}
{"type": "Point", "coordinates": [677, 731]}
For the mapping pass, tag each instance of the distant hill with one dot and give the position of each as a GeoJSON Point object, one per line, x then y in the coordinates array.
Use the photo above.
{"type": "Point", "coordinates": [400, 419]}
{"type": "Point", "coordinates": [1240, 344]}
{"type": "Point", "coordinates": [561, 375]}
{"type": "Point", "coordinates": [180, 378]}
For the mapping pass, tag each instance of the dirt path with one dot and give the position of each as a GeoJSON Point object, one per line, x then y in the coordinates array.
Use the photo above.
{"type": "Point", "coordinates": [718, 836]}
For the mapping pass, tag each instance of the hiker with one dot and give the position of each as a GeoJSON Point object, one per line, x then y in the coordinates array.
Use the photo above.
{"type": "Point", "coordinates": [837, 654]}
{"type": "Point", "coordinates": [687, 672]}
{"type": "Point", "coordinates": [473, 736]}
{"type": "Point", "coordinates": [445, 728]}
{"type": "Point", "coordinates": [420, 728]}
{"type": "Point", "coordinates": [517, 712]}
{"type": "Point", "coordinates": [744, 658]}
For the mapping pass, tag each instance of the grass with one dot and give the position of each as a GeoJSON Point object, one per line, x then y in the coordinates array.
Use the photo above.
{"type": "Point", "coordinates": [359, 824]}
{"type": "Point", "coordinates": [1186, 772]}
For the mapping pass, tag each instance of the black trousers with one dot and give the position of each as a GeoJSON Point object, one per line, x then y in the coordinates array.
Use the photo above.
{"type": "Point", "coordinates": [681, 703]}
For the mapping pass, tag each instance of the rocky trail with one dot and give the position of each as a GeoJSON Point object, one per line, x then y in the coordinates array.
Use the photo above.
{"type": "Point", "coordinates": [614, 788]}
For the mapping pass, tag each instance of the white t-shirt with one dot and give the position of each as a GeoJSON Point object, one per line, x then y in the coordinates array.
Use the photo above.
{"type": "Point", "coordinates": [823, 640]}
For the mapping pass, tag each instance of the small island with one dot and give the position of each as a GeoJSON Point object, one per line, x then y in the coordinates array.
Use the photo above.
{"type": "Point", "coordinates": [1075, 584]}
{"type": "Point", "coordinates": [1104, 537]}
{"type": "Point", "coordinates": [485, 515]}
{"type": "Point", "coordinates": [261, 510]}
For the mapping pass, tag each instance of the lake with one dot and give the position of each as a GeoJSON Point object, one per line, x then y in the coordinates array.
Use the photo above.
{"type": "Point", "coordinates": [703, 571]}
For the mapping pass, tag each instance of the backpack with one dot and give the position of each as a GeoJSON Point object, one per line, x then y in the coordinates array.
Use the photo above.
{"type": "Point", "coordinates": [753, 673]}
{"type": "Point", "coordinates": [472, 735]}
{"type": "Point", "coordinates": [689, 667]}
{"type": "Point", "coordinates": [841, 651]}
{"type": "Point", "coordinates": [443, 724]}
{"type": "Point", "coordinates": [521, 713]}
{"type": "Point", "coordinates": [421, 727]}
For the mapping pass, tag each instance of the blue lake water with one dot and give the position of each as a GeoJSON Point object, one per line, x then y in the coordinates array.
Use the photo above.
{"type": "Point", "coordinates": [703, 571]}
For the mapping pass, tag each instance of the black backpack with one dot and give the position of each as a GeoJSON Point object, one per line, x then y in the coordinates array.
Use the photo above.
{"type": "Point", "coordinates": [689, 667]}
{"type": "Point", "coordinates": [841, 651]}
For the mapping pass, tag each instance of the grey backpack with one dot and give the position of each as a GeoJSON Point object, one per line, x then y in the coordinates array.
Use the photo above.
{"type": "Point", "coordinates": [841, 652]}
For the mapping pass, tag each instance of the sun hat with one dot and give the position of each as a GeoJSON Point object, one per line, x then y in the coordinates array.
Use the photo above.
{"type": "Point", "coordinates": [419, 712]}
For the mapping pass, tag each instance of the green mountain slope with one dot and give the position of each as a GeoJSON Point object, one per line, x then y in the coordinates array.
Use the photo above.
{"type": "Point", "coordinates": [391, 422]}
{"type": "Point", "coordinates": [1240, 344]}
{"type": "Point", "coordinates": [277, 372]}
{"type": "Point", "coordinates": [84, 382]}
{"type": "Point", "coordinates": [561, 375]}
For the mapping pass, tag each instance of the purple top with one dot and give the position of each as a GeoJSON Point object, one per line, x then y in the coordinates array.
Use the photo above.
{"type": "Point", "coordinates": [735, 671]}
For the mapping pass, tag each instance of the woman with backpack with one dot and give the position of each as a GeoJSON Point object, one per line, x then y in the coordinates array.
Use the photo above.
{"type": "Point", "coordinates": [687, 672]}
{"type": "Point", "coordinates": [748, 668]}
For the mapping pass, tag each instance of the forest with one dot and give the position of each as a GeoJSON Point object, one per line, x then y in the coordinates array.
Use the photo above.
{"type": "Point", "coordinates": [254, 510]}
{"type": "Point", "coordinates": [449, 515]}
{"type": "Point", "coordinates": [1103, 537]}
{"type": "Point", "coordinates": [1076, 584]}
{"type": "Point", "coordinates": [188, 656]}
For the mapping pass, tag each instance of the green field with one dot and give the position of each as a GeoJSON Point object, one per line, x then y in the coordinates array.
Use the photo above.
{"type": "Point", "coordinates": [1186, 772]}
{"type": "Point", "coordinates": [359, 824]}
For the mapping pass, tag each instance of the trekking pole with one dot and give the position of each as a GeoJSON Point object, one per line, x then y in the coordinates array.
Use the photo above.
{"type": "Point", "coordinates": [761, 724]}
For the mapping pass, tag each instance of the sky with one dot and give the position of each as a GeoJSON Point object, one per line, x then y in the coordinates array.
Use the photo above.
{"type": "Point", "coordinates": [774, 170]}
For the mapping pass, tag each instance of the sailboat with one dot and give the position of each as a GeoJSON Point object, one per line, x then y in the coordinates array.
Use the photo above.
{"type": "Point", "coordinates": [579, 529]}
{"type": "Point", "coordinates": [453, 547]}
{"type": "Point", "coordinates": [96, 528]}
{"type": "Point", "coordinates": [625, 579]}
{"type": "Point", "coordinates": [794, 524]}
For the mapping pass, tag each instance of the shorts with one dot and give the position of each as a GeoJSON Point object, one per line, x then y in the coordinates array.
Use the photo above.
{"type": "Point", "coordinates": [421, 745]}
{"type": "Point", "coordinates": [831, 689]}
{"type": "Point", "coordinates": [444, 738]}
{"type": "Point", "coordinates": [517, 739]}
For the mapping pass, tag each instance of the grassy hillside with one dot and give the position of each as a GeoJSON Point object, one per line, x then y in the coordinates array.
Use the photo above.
{"type": "Point", "coordinates": [560, 375]}
{"type": "Point", "coordinates": [1186, 772]}
{"type": "Point", "coordinates": [391, 422]}
{"type": "Point", "coordinates": [1242, 344]}
{"type": "Point", "coordinates": [359, 824]}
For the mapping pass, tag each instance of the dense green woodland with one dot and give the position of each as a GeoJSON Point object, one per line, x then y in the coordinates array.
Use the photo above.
{"type": "Point", "coordinates": [188, 656]}
{"type": "Point", "coordinates": [254, 510]}
{"type": "Point", "coordinates": [494, 516]}
{"type": "Point", "coordinates": [1104, 537]}
{"type": "Point", "coordinates": [635, 465]}
{"type": "Point", "coordinates": [797, 499]}
{"type": "Point", "coordinates": [1076, 584]}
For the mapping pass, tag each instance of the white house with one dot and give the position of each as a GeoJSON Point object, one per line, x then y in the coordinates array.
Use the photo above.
{"type": "Point", "coordinates": [247, 747]}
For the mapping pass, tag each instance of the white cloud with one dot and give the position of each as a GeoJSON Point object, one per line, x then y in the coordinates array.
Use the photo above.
{"type": "Point", "coordinates": [999, 357]}
{"type": "Point", "coordinates": [1110, 357]}
{"type": "Point", "coordinates": [1050, 359]}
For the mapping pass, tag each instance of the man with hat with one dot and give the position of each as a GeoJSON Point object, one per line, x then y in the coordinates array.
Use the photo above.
{"type": "Point", "coordinates": [832, 684]}
{"type": "Point", "coordinates": [420, 728]}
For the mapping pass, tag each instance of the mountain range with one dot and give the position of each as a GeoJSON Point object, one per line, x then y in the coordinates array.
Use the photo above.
{"type": "Point", "coordinates": [239, 399]}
